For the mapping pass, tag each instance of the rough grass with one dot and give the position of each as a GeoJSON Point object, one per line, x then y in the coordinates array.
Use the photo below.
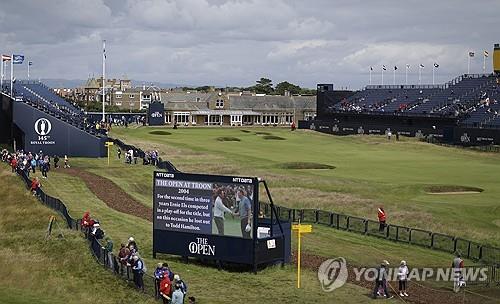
{"type": "Point", "coordinates": [60, 270]}
{"type": "Point", "coordinates": [262, 133]}
{"type": "Point", "coordinates": [304, 165]}
{"type": "Point", "coordinates": [228, 138]}
{"type": "Point", "coordinates": [451, 188]}
{"type": "Point", "coordinates": [160, 132]}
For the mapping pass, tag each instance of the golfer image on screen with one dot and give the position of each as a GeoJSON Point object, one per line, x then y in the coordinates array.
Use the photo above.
{"type": "Point", "coordinates": [219, 210]}
{"type": "Point", "coordinates": [245, 213]}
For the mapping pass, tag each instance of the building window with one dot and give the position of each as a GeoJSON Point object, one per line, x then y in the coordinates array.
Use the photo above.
{"type": "Point", "coordinates": [309, 115]}
{"type": "Point", "coordinates": [168, 118]}
{"type": "Point", "coordinates": [287, 118]}
{"type": "Point", "coordinates": [118, 95]}
{"type": "Point", "coordinates": [181, 117]}
{"type": "Point", "coordinates": [131, 96]}
{"type": "Point", "coordinates": [118, 103]}
{"type": "Point", "coordinates": [236, 120]}
{"type": "Point", "coordinates": [219, 103]}
{"type": "Point", "coordinates": [270, 119]}
{"type": "Point", "coordinates": [213, 120]}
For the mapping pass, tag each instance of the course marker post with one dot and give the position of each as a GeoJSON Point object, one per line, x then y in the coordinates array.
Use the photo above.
{"type": "Point", "coordinates": [108, 144]}
{"type": "Point", "coordinates": [300, 229]}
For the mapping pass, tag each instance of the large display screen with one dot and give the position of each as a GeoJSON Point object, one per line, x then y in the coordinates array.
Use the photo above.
{"type": "Point", "coordinates": [204, 204]}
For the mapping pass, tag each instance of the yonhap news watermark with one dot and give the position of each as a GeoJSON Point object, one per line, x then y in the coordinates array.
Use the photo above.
{"type": "Point", "coordinates": [334, 273]}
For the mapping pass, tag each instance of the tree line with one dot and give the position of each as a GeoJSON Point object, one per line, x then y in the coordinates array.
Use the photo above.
{"type": "Point", "coordinates": [262, 86]}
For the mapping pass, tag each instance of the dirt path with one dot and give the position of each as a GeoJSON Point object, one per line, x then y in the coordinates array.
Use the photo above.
{"type": "Point", "coordinates": [111, 194]}
{"type": "Point", "coordinates": [119, 200]}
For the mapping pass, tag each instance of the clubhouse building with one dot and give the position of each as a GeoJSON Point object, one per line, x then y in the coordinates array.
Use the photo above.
{"type": "Point", "coordinates": [194, 108]}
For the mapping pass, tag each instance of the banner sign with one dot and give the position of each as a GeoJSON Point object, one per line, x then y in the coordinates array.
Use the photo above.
{"type": "Point", "coordinates": [53, 136]}
{"type": "Point", "coordinates": [156, 114]}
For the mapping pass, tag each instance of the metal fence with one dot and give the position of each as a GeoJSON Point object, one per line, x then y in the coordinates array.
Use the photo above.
{"type": "Point", "coordinates": [438, 241]}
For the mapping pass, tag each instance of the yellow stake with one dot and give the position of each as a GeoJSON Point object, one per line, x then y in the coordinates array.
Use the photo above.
{"type": "Point", "coordinates": [300, 229]}
{"type": "Point", "coordinates": [298, 260]}
{"type": "Point", "coordinates": [108, 144]}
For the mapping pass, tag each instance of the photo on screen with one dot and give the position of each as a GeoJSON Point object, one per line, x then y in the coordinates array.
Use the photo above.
{"type": "Point", "coordinates": [204, 207]}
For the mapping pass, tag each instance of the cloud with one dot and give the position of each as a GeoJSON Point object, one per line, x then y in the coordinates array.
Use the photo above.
{"type": "Point", "coordinates": [235, 42]}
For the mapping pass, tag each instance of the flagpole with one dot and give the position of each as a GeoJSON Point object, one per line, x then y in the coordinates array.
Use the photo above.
{"type": "Point", "coordinates": [370, 76]}
{"type": "Point", "coordinates": [11, 74]}
{"type": "Point", "coordinates": [468, 65]}
{"type": "Point", "coordinates": [394, 77]}
{"type": "Point", "coordinates": [382, 76]}
{"type": "Point", "coordinates": [1, 75]}
{"type": "Point", "coordinates": [406, 75]}
{"type": "Point", "coordinates": [28, 70]}
{"type": "Point", "coordinates": [484, 64]}
{"type": "Point", "coordinates": [419, 75]}
{"type": "Point", "coordinates": [103, 78]}
{"type": "Point", "coordinates": [433, 68]}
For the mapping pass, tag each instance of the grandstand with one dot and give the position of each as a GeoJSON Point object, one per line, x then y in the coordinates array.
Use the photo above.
{"type": "Point", "coordinates": [460, 98]}
{"type": "Point", "coordinates": [470, 101]}
{"type": "Point", "coordinates": [70, 133]}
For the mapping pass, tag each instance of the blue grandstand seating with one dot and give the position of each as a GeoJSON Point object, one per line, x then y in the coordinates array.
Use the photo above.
{"type": "Point", "coordinates": [41, 97]}
{"type": "Point", "coordinates": [463, 97]}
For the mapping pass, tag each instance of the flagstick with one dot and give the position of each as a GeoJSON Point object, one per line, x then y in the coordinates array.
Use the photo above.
{"type": "Point", "coordinates": [103, 78]}
{"type": "Point", "coordinates": [419, 75]}
{"type": "Point", "coordinates": [382, 76]}
{"type": "Point", "coordinates": [28, 70]}
{"type": "Point", "coordinates": [394, 77]}
{"type": "Point", "coordinates": [406, 76]}
{"type": "Point", "coordinates": [370, 76]}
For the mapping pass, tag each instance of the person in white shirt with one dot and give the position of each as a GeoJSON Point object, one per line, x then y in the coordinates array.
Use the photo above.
{"type": "Point", "coordinates": [402, 278]}
{"type": "Point", "coordinates": [219, 210]}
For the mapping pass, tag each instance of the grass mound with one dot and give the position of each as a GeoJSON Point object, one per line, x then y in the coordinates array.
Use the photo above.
{"type": "Point", "coordinates": [304, 165]}
{"type": "Point", "coordinates": [62, 264]}
{"type": "Point", "coordinates": [228, 138]}
{"type": "Point", "coordinates": [273, 137]}
{"type": "Point", "coordinates": [262, 133]}
{"type": "Point", "coordinates": [245, 131]}
{"type": "Point", "coordinates": [159, 132]}
{"type": "Point", "coordinates": [451, 189]}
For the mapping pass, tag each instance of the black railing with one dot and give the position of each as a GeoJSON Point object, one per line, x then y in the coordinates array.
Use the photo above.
{"type": "Point", "coordinates": [103, 257]}
{"type": "Point", "coordinates": [438, 241]}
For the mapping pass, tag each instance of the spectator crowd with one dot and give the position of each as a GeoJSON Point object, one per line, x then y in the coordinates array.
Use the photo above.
{"type": "Point", "coordinates": [168, 285]}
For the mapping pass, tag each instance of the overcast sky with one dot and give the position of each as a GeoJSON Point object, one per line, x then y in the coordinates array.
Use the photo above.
{"type": "Point", "coordinates": [236, 42]}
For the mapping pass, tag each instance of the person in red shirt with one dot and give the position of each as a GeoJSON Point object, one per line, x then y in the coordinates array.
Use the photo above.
{"type": "Point", "coordinates": [381, 219]}
{"type": "Point", "coordinates": [35, 186]}
{"type": "Point", "coordinates": [86, 219]}
{"type": "Point", "coordinates": [165, 289]}
{"type": "Point", "coordinates": [13, 164]}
